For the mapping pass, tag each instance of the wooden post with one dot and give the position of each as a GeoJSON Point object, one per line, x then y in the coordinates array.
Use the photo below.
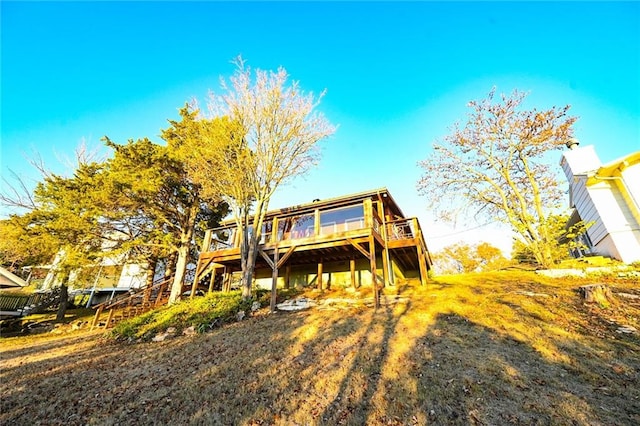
{"type": "Point", "coordinates": [423, 265]}
{"type": "Point", "coordinates": [287, 276]}
{"type": "Point", "coordinates": [226, 285]}
{"type": "Point", "coordinates": [274, 279]}
{"type": "Point", "coordinates": [274, 230]}
{"type": "Point", "coordinates": [385, 266]}
{"type": "Point", "coordinates": [374, 273]}
{"type": "Point", "coordinates": [368, 213]}
{"type": "Point", "coordinates": [110, 317]}
{"type": "Point", "coordinates": [96, 318]}
{"type": "Point", "coordinates": [316, 224]}
{"type": "Point", "coordinates": [160, 295]}
{"type": "Point", "coordinates": [352, 268]}
{"type": "Point", "coordinates": [206, 244]}
{"type": "Point", "coordinates": [194, 286]}
{"type": "Point", "coordinates": [212, 281]}
{"type": "Point", "coordinates": [320, 275]}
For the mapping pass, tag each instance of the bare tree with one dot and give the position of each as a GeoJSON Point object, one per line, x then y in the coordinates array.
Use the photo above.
{"type": "Point", "coordinates": [259, 134]}
{"type": "Point", "coordinates": [495, 164]}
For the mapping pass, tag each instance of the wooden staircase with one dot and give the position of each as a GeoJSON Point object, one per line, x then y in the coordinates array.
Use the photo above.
{"type": "Point", "coordinates": [133, 304]}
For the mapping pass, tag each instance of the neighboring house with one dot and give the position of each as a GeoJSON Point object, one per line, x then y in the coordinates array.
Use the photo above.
{"type": "Point", "coordinates": [99, 283]}
{"type": "Point", "coordinates": [353, 240]}
{"type": "Point", "coordinates": [10, 280]}
{"type": "Point", "coordinates": [608, 195]}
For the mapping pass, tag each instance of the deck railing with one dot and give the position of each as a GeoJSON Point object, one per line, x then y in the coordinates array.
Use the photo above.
{"type": "Point", "coordinates": [401, 229]}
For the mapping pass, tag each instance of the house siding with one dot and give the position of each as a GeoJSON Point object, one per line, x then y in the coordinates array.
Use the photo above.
{"type": "Point", "coordinates": [607, 196]}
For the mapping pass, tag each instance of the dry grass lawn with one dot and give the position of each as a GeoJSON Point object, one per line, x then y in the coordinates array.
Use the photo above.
{"type": "Point", "coordinates": [489, 349]}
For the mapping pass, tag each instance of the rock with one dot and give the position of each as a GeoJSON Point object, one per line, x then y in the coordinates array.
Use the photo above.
{"type": "Point", "coordinates": [171, 330]}
{"type": "Point", "coordinates": [189, 331]}
{"type": "Point", "coordinates": [628, 295]}
{"type": "Point", "coordinates": [160, 337]}
{"type": "Point", "coordinates": [296, 304]}
{"type": "Point", "coordinates": [240, 315]}
{"type": "Point", "coordinates": [627, 329]}
{"type": "Point", "coordinates": [255, 306]}
{"type": "Point", "coordinates": [78, 325]}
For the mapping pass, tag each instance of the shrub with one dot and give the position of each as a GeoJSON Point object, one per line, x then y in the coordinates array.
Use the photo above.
{"type": "Point", "coordinates": [203, 313]}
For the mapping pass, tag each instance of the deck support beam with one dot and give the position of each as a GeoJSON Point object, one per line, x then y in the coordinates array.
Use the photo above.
{"type": "Point", "coordinates": [352, 268]}
{"type": "Point", "coordinates": [226, 285]}
{"type": "Point", "coordinates": [212, 281]}
{"type": "Point", "coordinates": [274, 280]}
{"type": "Point", "coordinates": [385, 266]}
{"type": "Point", "coordinates": [319, 279]}
{"type": "Point", "coordinates": [360, 248]}
{"type": "Point", "coordinates": [374, 273]}
{"type": "Point", "coordinates": [423, 265]}
{"type": "Point", "coordinates": [287, 276]}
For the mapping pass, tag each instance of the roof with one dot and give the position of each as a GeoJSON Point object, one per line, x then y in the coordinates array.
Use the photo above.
{"type": "Point", "coordinates": [343, 200]}
{"type": "Point", "coordinates": [610, 168]}
{"type": "Point", "coordinates": [10, 280]}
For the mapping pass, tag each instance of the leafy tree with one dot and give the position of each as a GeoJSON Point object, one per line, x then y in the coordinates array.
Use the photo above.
{"type": "Point", "coordinates": [65, 223]}
{"type": "Point", "coordinates": [156, 207]}
{"type": "Point", "coordinates": [462, 258]}
{"type": "Point", "coordinates": [495, 163]}
{"type": "Point", "coordinates": [18, 245]}
{"type": "Point", "coordinates": [260, 134]}
{"type": "Point", "coordinates": [565, 240]}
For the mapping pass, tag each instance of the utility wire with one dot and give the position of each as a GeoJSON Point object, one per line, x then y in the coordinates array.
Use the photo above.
{"type": "Point", "coordinates": [463, 231]}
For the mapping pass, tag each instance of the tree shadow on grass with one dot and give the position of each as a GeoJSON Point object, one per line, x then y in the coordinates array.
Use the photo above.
{"type": "Point", "coordinates": [467, 374]}
{"type": "Point", "coordinates": [398, 366]}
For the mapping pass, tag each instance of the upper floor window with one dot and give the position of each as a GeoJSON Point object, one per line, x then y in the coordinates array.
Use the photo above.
{"type": "Point", "coordinates": [222, 238]}
{"type": "Point", "coordinates": [341, 219]}
{"type": "Point", "coordinates": [294, 227]}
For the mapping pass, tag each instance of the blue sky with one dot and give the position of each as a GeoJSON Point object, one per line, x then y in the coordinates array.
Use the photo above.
{"type": "Point", "coordinates": [397, 75]}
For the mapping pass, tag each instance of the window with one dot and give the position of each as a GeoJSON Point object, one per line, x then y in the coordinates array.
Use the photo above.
{"type": "Point", "coordinates": [222, 239]}
{"type": "Point", "coordinates": [295, 227]}
{"type": "Point", "coordinates": [341, 220]}
{"type": "Point", "coordinates": [267, 226]}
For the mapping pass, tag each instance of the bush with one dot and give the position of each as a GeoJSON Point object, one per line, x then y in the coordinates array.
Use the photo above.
{"type": "Point", "coordinates": [203, 313]}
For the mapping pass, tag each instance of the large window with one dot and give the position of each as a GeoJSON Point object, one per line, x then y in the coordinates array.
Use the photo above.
{"type": "Point", "coordinates": [294, 227]}
{"type": "Point", "coordinates": [341, 220]}
{"type": "Point", "coordinates": [267, 226]}
{"type": "Point", "coordinates": [222, 239]}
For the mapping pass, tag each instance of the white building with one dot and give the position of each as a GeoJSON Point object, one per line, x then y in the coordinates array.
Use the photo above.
{"type": "Point", "coordinates": [608, 195]}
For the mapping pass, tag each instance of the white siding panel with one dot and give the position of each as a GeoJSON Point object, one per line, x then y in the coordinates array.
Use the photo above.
{"type": "Point", "coordinates": [631, 178]}
{"type": "Point", "coordinates": [627, 245]}
{"type": "Point", "coordinates": [607, 247]}
{"type": "Point", "coordinates": [133, 276]}
{"type": "Point", "coordinates": [588, 211]}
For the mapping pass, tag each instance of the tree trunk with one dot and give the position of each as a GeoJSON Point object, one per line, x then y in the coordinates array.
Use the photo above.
{"type": "Point", "coordinates": [596, 293]}
{"type": "Point", "coordinates": [181, 267]}
{"type": "Point", "coordinates": [151, 270]}
{"type": "Point", "coordinates": [249, 263]}
{"type": "Point", "coordinates": [183, 254]}
{"type": "Point", "coordinates": [64, 298]}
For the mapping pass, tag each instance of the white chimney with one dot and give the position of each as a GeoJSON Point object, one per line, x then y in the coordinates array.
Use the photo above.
{"type": "Point", "coordinates": [578, 161]}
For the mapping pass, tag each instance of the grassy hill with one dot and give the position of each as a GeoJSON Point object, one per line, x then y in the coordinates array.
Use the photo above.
{"type": "Point", "coordinates": [485, 349]}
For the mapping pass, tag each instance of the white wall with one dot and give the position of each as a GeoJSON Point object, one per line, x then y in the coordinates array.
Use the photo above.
{"type": "Point", "coordinates": [134, 275]}
{"type": "Point", "coordinates": [616, 229]}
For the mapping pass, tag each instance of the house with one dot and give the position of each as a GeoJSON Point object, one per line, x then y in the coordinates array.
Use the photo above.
{"type": "Point", "coordinates": [607, 195]}
{"type": "Point", "coordinates": [355, 240]}
{"type": "Point", "coordinates": [111, 277]}
{"type": "Point", "coordinates": [10, 280]}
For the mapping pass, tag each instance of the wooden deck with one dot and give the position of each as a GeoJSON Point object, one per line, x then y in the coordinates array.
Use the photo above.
{"type": "Point", "coordinates": [407, 249]}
